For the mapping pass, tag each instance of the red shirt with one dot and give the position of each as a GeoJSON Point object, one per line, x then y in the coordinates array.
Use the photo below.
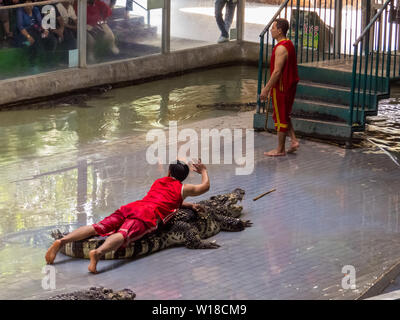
{"type": "Point", "coordinates": [162, 201]}
{"type": "Point", "coordinates": [289, 77]}
{"type": "Point", "coordinates": [99, 11]}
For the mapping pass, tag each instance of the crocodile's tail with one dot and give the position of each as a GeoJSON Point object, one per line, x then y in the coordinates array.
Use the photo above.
{"type": "Point", "coordinates": [80, 249]}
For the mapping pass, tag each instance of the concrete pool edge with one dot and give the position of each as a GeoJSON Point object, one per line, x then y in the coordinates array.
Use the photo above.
{"type": "Point", "coordinates": [379, 286]}
{"type": "Point", "coordinates": [126, 72]}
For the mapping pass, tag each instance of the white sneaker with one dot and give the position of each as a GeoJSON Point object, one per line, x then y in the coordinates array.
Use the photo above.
{"type": "Point", "coordinates": [222, 39]}
{"type": "Point", "coordinates": [115, 50]}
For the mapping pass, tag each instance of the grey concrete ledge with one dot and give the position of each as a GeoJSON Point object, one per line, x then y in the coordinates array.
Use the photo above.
{"type": "Point", "coordinates": [128, 71]}
{"type": "Point", "coordinates": [375, 291]}
{"type": "Point", "coordinates": [394, 295]}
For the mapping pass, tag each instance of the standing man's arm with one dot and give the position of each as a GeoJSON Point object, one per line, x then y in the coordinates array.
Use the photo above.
{"type": "Point", "coordinates": [281, 56]}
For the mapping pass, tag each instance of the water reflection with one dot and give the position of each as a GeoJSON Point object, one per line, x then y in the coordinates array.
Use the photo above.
{"type": "Point", "coordinates": [71, 123]}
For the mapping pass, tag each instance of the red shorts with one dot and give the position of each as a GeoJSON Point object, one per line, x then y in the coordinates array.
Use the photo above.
{"type": "Point", "coordinates": [131, 228]}
{"type": "Point", "coordinates": [282, 103]}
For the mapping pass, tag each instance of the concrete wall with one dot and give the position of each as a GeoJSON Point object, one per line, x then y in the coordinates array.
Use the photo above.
{"type": "Point", "coordinates": [25, 89]}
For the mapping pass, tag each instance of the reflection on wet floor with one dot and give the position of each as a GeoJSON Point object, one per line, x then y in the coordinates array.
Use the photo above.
{"type": "Point", "coordinates": [72, 122]}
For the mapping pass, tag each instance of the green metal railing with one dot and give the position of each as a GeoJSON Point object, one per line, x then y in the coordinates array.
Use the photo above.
{"type": "Point", "coordinates": [374, 61]}
{"type": "Point", "coordinates": [320, 30]}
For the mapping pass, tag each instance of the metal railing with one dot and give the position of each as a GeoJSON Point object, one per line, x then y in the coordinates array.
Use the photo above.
{"type": "Point", "coordinates": [320, 30]}
{"type": "Point", "coordinates": [374, 61]}
{"type": "Point", "coordinates": [144, 8]}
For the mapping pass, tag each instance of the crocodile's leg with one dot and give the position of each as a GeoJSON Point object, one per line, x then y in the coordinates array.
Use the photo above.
{"type": "Point", "coordinates": [191, 236]}
{"type": "Point", "coordinates": [232, 224]}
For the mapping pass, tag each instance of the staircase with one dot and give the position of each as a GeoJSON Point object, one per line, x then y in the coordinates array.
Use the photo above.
{"type": "Point", "coordinates": [132, 30]}
{"type": "Point", "coordinates": [338, 88]}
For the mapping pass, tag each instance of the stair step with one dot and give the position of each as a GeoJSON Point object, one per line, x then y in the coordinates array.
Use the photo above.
{"type": "Point", "coordinates": [332, 94]}
{"type": "Point", "coordinates": [310, 127]}
{"type": "Point", "coordinates": [321, 110]}
{"type": "Point", "coordinates": [133, 22]}
{"type": "Point", "coordinates": [331, 76]}
{"type": "Point", "coordinates": [140, 34]}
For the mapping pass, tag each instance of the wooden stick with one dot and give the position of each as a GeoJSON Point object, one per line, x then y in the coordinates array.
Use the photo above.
{"type": "Point", "coordinates": [267, 114]}
{"type": "Point", "coordinates": [264, 194]}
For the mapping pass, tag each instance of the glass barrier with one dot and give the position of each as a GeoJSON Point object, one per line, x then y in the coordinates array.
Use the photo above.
{"type": "Point", "coordinates": [194, 22]}
{"type": "Point", "coordinates": [36, 37]}
{"type": "Point", "coordinates": [257, 15]}
{"type": "Point", "coordinates": [122, 29]}
{"type": "Point", "coordinates": [42, 36]}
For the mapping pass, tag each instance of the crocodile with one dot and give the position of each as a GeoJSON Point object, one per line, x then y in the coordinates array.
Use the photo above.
{"type": "Point", "coordinates": [96, 293]}
{"type": "Point", "coordinates": [186, 228]}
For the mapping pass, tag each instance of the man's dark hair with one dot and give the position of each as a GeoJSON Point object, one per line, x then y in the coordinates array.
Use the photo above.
{"type": "Point", "coordinates": [179, 170]}
{"type": "Point", "coordinates": [282, 24]}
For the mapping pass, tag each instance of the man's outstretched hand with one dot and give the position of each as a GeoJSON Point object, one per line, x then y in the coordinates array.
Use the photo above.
{"type": "Point", "coordinates": [197, 207]}
{"type": "Point", "coordinates": [197, 167]}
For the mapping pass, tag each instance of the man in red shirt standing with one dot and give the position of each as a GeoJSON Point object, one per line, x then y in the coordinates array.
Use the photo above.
{"type": "Point", "coordinates": [134, 220]}
{"type": "Point", "coordinates": [97, 28]}
{"type": "Point", "coordinates": [282, 87]}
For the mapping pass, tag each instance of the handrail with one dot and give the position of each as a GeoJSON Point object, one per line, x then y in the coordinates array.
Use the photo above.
{"type": "Point", "coordinates": [378, 14]}
{"type": "Point", "coordinates": [40, 3]}
{"type": "Point", "coordinates": [273, 18]}
{"type": "Point", "coordinates": [33, 4]}
{"type": "Point", "coordinates": [138, 4]}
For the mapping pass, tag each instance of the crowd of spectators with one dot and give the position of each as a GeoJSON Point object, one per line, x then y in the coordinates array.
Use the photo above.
{"type": "Point", "coordinates": [22, 27]}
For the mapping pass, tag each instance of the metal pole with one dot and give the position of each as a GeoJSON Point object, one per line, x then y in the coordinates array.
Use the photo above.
{"type": "Point", "coordinates": [82, 5]}
{"type": "Point", "coordinates": [166, 27]}
{"type": "Point", "coordinates": [338, 27]}
{"type": "Point", "coordinates": [240, 21]}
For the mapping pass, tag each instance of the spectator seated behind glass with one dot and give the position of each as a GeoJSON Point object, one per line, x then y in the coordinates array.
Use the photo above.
{"type": "Point", "coordinates": [66, 25]}
{"type": "Point", "coordinates": [5, 18]}
{"type": "Point", "coordinates": [98, 29]}
{"type": "Point", "coordinates": [31, 33]}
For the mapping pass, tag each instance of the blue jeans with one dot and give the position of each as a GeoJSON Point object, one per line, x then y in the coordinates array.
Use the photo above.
{"type": "Point", "coordinates": [224, 25]}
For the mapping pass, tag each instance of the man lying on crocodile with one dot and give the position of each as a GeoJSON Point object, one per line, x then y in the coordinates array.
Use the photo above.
{"type": "Point", "coordinates": [132, 221]}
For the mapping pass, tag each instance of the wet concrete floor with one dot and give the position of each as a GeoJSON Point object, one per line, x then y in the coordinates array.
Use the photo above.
{"type": "Point", "coordinates": [332, 207]}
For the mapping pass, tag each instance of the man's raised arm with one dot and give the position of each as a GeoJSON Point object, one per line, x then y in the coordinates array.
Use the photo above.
{"type": "Point", "coordinates": [192, 190]}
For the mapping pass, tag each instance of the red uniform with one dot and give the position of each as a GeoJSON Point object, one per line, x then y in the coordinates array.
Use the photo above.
{"type": "Point", "coordinates": [284, 91]}
{"type": "Point", "coordinates": [137, 218]}
{"type": "Point", "coordinates": [97, 12]}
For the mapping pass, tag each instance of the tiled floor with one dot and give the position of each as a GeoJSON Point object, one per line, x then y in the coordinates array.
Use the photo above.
{"type": "Point", "coordinates": [332, 207]}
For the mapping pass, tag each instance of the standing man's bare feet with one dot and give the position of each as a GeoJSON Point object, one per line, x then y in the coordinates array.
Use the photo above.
{"type": "Point", "coordinates": [293, 147]}
{"type": "Point", "coordinates": [274, 153]}
{"type": "Point", "coordinates": [94, 258]}
{"type": "Point", "coordinates": [52, 251]}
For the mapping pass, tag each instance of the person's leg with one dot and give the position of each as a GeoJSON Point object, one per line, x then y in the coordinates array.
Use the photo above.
{"type": "Point", "coordinates": [69, 39]}
{"type": "Point", "coordinates": [128, 8]}
{"type": "Point", "coordinates": [91, 42]}
{"type": "Point", "coordinates": [103, 228]}
{"type": "Point", "coordinates": [130, 230]}
{"type": "Point", "coordinates": [281, 122]}
{"type": "Point", "coordinates": [76, 235]}
{"type": "Point", "coordinates": [112, 243]}
{"type": "Point", "coordinates": [294, 143]}
{"type": "Point", "coordinates": [219, 6]}
{"type": "Point", "coordinates": [110, 38]}
{"type": "Point", "coordinates": [50, 42]}
{"type": "Point", "coordinates": [280, 150]}
{"type": "Point", "coordinates": [37, 49]}
{"type": "Point", "coordinates": [4, 19]}
{"type": "Point", "coordinates": [229, 14]}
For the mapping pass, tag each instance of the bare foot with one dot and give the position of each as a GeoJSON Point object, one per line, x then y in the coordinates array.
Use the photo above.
{"type": "Point", "coordinates": [274, 153]}
{"type": "Point", "coordinates": [94, 258]}
{"type": "Point", "coordinates": [52, 251]}
{"type": "Point", "coordinates": [293, 147]}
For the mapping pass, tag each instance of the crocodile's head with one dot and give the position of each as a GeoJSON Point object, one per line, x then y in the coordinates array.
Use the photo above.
{"type": "Point", "coordinates": [226, 204]}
